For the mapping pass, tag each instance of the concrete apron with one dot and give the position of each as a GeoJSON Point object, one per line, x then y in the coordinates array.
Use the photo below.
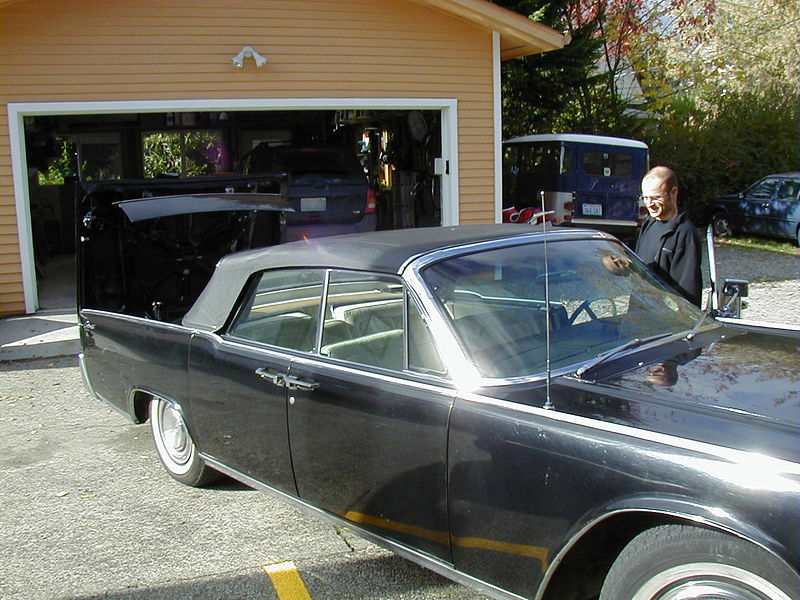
{"type": "Point", "coordinates": [45, 334]}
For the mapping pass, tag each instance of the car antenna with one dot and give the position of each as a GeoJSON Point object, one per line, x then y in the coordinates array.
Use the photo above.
{"type": "Point", "coordinates": [548, 404]}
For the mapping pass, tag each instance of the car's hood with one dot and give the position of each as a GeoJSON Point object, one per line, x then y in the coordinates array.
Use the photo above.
{"type": "Point", "coordinates": [755, 375]}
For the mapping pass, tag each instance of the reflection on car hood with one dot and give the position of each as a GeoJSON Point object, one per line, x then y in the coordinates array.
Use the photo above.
{"type": "Point", "coordinates": [166, 206]}
{"type": "Point", "coordinates": [754, 375]}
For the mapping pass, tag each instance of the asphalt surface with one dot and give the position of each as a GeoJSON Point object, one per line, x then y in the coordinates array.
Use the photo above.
{"type": "Point", "coordinates": [88, 512]}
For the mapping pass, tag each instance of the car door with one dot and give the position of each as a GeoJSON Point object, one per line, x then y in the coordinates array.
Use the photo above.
{"type": "Point", "coordinates": [756, 205]}
{"type": "Point", "coordinates": [781, 215]}
{"type": "Point", "coordinates": [237, 380]}
{"type": "Point", "coordinates": [368, 420]}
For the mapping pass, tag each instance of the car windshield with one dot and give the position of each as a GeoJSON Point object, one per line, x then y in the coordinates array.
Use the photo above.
{"type": "Point", "coordinates": [601, 297]}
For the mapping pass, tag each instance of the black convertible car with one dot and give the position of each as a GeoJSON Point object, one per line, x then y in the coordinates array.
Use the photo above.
{"type": "Point", "coordinates": [531, 414]}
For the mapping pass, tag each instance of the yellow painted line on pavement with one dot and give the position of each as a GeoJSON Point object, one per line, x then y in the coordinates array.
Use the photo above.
{"type": "Point", "coordinates": [286, 581]}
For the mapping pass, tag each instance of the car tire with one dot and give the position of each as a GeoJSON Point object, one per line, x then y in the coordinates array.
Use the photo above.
{"type": "Point", "coordinates": [720, 225]}
{"type": "Point", "coordinates": [175, 445]}
{"type": "Point", "coordinates": [692, 563]}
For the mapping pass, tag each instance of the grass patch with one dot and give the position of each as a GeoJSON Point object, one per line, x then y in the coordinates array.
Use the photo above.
{"type": "Point", "coordinates": [782, 247]}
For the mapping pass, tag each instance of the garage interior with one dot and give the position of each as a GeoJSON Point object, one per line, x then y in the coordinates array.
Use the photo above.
{"type": "Point", "coordinates": [397, 149]}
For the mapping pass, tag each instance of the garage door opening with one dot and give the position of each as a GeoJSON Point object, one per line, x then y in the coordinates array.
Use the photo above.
{"type": "Point", "coordinates": [400, 152]}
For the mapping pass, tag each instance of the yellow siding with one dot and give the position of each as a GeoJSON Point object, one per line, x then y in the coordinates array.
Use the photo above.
{"type": "Point", "coordinates": [85, 50]}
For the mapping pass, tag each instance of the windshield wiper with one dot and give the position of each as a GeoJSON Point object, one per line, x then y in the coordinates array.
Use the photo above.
{"type": "Point", "coordinates": [617, 351]}
{"type": "Point", "coordinates": [706, 313]}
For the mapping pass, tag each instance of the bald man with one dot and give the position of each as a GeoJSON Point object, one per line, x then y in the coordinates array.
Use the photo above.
{"type": "Point", "coordinates": [668, 241]}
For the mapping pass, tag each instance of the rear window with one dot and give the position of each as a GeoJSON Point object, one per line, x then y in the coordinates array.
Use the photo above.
{"type": "Point", "coordinates": [608, 164]}
{"type": "Point", "coordinates": [303, 161]}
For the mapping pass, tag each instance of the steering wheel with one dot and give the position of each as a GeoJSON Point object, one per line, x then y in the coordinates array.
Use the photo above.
{"type": "Point", "coordinates": [586, 306]}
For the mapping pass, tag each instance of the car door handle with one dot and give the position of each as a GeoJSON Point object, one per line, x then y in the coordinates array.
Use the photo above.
{"type": "Point", "coordinates": [276, 378]}
{"type": "Point", "coordinates": [293, 383]}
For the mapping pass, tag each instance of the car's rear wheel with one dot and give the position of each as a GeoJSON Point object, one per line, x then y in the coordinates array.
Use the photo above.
{"type": "Point", "coordinates": [176, 447]}
{"type": "Point", "coordinates": [678, 562]}
{"type": "Point", "coordinates": [720, 225]}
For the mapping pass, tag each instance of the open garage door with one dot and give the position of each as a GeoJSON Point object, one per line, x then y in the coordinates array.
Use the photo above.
{"type": "Point", "coordinates": [403, 152]}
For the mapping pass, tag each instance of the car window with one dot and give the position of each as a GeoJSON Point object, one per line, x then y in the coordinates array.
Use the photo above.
{"type": "Point", "coordinates": [607, 164]}
{"type": "Point", "coordinates": [600, 298]}
{"type": "Point", "coordinates": [303, 161]}
{"type": "Point", "coordinates": [422, 353]}
{"type": "Point", "coordinates": [763, 189]}
{"type": "Point", "coordinates": [788, 190]}
{"type": "Point", "coordinates": [363, 319]}
{"type": "Point", "coordinates": [282, 309]}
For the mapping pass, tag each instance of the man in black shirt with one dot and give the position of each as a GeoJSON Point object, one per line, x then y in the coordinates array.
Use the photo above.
{"type": "Point", "coordinates": [668, 241]}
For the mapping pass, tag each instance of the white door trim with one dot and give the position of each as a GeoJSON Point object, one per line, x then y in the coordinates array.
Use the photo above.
{"type": "Point", "coordinates": [17, 111]}
{"type": "Point", "coordinates": [497, 100]}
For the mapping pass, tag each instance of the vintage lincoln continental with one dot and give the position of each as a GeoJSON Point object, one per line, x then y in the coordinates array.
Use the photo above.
{"type": "Point", "coordinates": [529, 413]}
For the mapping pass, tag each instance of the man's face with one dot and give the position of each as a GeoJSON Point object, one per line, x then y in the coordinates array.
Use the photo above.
{"type": "Point", "coordinates": [661, 201]}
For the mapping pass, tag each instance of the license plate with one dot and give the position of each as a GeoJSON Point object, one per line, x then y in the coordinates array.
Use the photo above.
{"type": "Point", "coordinates": [593, 210]}
{"type": "Point", "coordinates": [313, 204]}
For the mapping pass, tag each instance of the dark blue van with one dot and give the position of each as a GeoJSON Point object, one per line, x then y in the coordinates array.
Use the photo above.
{"type": "Point", "coordinates": [588, 180]}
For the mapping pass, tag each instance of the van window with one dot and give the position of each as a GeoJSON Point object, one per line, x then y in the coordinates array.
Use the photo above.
{"type": "Point", "coordinates": [608, 164]}
{"type": "Point", "coordinates": [540, 159]}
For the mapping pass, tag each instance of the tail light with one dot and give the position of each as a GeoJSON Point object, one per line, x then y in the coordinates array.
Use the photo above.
{"type": "Point", "coordinates": [568, 206]}
{"type": "Point", "coordinates": [372, 206]}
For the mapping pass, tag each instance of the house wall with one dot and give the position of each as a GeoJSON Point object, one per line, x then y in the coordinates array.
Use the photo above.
{"type": "Point", "coordinates": [138, 50]}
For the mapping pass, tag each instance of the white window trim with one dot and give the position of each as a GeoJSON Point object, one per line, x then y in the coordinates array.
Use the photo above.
{"type": "Point", "coordinates": [17, 111]}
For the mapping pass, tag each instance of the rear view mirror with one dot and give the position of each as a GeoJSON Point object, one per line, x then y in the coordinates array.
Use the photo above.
{"type": "Point", "coordinates": [731, 293]}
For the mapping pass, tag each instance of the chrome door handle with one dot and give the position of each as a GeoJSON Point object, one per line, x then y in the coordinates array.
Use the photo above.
{"type": "Point", "coordinates": [293, 383]}
{"type": "Point", "coordinates": [276, 378]}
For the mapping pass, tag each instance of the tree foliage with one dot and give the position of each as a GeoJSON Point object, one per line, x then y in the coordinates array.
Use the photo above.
{"type": "Point", "coordinates": [717, 81]}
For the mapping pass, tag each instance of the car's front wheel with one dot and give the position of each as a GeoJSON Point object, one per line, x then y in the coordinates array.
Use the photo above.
{"type": "Point", "coordinates": [681, 562]}
{"type": "Point", "coordinates": [176, 447]}
{"type": "Point", "coordinates": [721, 225]}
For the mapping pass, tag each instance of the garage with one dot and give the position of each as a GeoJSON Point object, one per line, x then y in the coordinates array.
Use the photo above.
{"type": "Point", "coordinates": [411, 89]}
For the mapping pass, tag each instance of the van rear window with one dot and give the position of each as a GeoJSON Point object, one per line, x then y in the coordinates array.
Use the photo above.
{"type": "Point", "coordinates": [608, 164]}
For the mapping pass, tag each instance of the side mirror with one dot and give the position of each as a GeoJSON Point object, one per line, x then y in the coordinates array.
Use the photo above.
{"type": "Point", "coordinates": [731, 293]}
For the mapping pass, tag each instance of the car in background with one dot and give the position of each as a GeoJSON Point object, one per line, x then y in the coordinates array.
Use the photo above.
{"type": "Point", "coordinates": [770, 207]}
{"type": "Point", "coordinates": [328, 188]}
{"type": "Point", "coordinates": [587, 181]}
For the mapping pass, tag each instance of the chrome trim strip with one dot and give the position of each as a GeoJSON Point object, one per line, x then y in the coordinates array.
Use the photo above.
{"type": "Point", "coordinates": [765, 326]}
{"type": "Point", "coordinates": [728, 454]}
{"type": "Point", "coordinates": [595, 222]}
{"type": "Point", "coordinates": [85, 313]}
{"type": "Point", "coordinates": [437, 566]}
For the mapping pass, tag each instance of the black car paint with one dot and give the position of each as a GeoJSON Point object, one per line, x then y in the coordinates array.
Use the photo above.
{"type": "Point", "coordinates": [487, 482]}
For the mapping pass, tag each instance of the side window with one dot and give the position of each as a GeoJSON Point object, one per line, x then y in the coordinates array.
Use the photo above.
{"type": "Point", "coordinates": [763, 189]}
{"type": "Point", "coordinates": [363, 320]}
{"type": "Point", "coordinates": [422, 354]}
{"type": "Point", "coordinates": [788, 190]}
{"type": "Point", "coordinates": [282, 310]}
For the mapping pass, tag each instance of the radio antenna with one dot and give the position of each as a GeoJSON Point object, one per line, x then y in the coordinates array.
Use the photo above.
{"type": "Point", "coordinates": [548, 404]}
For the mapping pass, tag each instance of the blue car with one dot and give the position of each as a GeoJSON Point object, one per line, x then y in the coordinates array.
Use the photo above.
{"type": "Point", "coordinates": [769, 207]}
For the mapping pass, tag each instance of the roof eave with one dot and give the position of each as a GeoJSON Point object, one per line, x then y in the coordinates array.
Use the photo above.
{"type": "Point", "coordinates": [519, 36]}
